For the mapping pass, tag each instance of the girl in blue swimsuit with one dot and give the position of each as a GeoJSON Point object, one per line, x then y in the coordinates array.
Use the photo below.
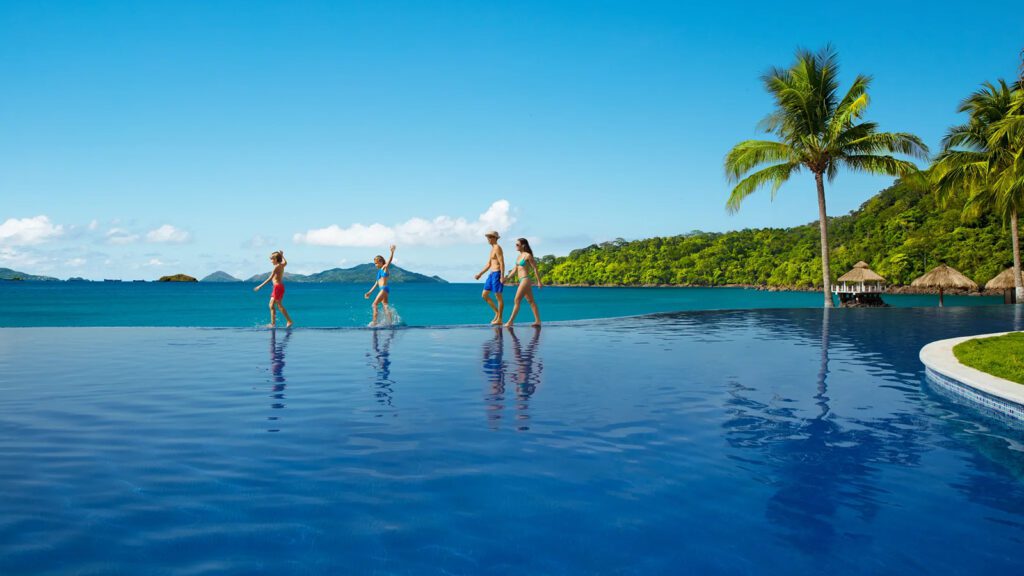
{"type": "Point", "coordinates": [382, 283]}
{"type": "Point", "coordinates": [524, 262]}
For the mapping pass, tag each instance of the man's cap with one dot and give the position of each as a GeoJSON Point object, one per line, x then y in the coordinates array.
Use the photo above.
{"type": "Point", "coordinates": [493, 233]}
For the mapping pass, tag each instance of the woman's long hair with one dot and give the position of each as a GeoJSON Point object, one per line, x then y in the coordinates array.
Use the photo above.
{"type": "Point", "coordinates": [525, 245]}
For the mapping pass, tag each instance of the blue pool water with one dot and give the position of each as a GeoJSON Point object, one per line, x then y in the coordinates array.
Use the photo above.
{"type": "Point", "coordinates": [333, 305]}
{"type": "Point", "coordinates": [742, 442]}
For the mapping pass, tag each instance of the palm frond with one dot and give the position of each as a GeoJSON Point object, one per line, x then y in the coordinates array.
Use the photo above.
{"type": "Point", "coordinates": [971, 135]}
{"type": "Point", "coordinates": [850, 108]}
{"type": "Point", "coordinates": [892, 142]}
{"type": "Point", "coordinates": [1009, 129]}
{"type": "Point", "coordinates": [776, 176]}
{"type": "Point", "coordinates": [881, 165]}
{"type": "Point", "coordinates": [750, 154]}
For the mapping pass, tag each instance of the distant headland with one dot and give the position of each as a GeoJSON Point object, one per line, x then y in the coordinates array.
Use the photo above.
{"type": "Point", "coordinates": [361, 274]}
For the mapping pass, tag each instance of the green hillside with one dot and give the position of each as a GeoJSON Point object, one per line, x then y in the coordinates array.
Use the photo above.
{"type": "Point", "coordinates": [900, 233]}
{"type": "Point", "coordinates": [8, 274]}
{"type": "Point", "coordinates": [361, 274]}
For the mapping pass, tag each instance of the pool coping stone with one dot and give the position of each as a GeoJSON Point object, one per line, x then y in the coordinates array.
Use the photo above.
{"type": "Point", "coordinates": [938, 357]}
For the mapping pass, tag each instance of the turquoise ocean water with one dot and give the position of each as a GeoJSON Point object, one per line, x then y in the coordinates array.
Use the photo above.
{"type": "Point", "coordinates": [342, 305]}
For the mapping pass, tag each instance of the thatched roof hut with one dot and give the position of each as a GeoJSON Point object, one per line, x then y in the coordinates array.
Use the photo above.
{"type": "Point", "coordinates": [943, 277]}
{"type": "Point", "coordinates": [861, 273]}
{"type": "Point", "coordinates": [1004, 281]}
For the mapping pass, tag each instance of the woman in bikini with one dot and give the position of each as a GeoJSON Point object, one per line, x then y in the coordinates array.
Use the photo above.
{"type": "Point", "coordinates": [524, 262]}
{"type": "Point", "coordinates": [383, 269]}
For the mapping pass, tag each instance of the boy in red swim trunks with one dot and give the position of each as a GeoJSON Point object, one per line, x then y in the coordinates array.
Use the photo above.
{"type": "Point", "coordinates": [277, 276]}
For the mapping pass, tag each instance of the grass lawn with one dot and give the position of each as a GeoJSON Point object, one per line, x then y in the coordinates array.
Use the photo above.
{"type": "Point", "coordinates": [1001, 356]}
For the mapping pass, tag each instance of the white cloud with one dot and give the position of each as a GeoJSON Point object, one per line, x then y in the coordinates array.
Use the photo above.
{"type": "Point", "coordinates": [168, 234]}
{"type": "Point", "coordinates": [76, 262]}
{"type": "Point", "coordinates": [28, 231]}
{"type": "Point", "coordinates": [10, 257]}
{"type": "Point", "coordinates": [441, 230]}
{"type": "Point", "coordinates": [154, 262]}
{"type": "Point", "coordinates": [121, 236]}
{"type": "Point", "coordinates": [258, 241]}
{"type": "Point", "coordinates": [94, 225]}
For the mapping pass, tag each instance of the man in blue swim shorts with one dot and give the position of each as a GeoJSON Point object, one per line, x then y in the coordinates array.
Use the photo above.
{"type": "Point", "coordinates": [495, 270]}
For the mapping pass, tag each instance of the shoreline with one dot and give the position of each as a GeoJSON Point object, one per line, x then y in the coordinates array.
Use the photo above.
{"type": "Point", "coordinates": [891, 291]}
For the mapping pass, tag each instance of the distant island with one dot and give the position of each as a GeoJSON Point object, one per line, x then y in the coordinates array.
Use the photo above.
{"type": "Point", "coordinates": [220, 276]}
{"type": "Point", "coordinates": [361, 274]}
{"type": "Point", "coordinates": [8, 274]}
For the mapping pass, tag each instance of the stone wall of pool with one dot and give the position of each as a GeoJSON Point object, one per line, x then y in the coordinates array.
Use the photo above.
{"type": "Point", "coordinates": [994, 394]}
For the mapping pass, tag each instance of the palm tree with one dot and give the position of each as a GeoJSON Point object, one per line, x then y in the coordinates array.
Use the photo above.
{"type": "Point", "coordinates": [819, 131]}
{"type": "Point", "coordinates": [984, 159]}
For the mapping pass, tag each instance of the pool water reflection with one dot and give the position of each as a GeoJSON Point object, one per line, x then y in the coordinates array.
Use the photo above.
{"type": "Point", "coordinates": [749, 442]}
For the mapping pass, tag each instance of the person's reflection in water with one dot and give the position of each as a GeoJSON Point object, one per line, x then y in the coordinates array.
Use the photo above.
{"type": "Point", "coordinates": [527, 373]}
{"type": "Point", "coordinates": [380, 358]}
{"type": "Point", "coordinates": [494, 370]}
{"type": "Point", "coordinates": [819, 464]}
{"type": "Point", "coordinates": [278, 382]}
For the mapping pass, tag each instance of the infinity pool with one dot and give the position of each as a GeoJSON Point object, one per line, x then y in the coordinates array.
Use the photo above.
{"type": "Point", "coordinates": [752, 442]}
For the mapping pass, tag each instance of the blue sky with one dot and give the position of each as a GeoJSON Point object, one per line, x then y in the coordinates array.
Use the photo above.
{"type": "Point", "coordinates": [141, 139]}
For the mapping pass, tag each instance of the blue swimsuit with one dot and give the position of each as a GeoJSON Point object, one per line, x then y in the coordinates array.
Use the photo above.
{"type": "Point", "coordinates": [382, 273]}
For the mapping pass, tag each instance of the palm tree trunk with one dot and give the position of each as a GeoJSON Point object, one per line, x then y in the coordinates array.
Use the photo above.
{"type": "Point", "coordinates": [826, 272]}
{"type": "Point", "coordinates": [1017, 282]}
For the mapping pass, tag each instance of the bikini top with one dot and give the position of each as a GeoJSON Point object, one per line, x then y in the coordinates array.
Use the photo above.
{"type": "Point", "coordinates": [382, 273]}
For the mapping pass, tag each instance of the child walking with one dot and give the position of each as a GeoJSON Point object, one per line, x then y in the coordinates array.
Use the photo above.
{"type": "Point", "coordinates": [383, 269]}
{"type": "Point", "coordinates": [277, 295]}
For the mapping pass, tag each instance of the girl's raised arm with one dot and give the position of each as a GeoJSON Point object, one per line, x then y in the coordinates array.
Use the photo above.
{"type": "Point", "coordinates": [391, 257]}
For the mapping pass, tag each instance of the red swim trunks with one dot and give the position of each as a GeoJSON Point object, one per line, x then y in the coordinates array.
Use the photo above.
{"type": "Point", "coordinates": [278, 293]}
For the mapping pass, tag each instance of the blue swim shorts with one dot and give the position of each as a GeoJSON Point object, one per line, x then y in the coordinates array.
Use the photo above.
{"type": "Point", "coordinates": [493, 283]}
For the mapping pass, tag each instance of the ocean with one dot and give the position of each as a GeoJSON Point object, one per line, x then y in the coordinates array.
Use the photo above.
{"type": "Point", "coordinates": [342, 305]}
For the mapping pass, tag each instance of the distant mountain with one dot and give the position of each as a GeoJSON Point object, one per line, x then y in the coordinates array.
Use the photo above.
{"type": "Point", "coordinates": [287, 276]}
{"type": "Point", "coordinates": [8, 274]}
{"type": "Point", "coordinates": [220, 276]}
{"type": "Point", "coordinates": [361, 274]}
{"type": "Point", "coordinates": [177, 278]}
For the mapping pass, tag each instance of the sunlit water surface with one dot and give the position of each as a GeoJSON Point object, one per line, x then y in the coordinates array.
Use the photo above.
{"type": "Point", "coordinates": [748, 442]}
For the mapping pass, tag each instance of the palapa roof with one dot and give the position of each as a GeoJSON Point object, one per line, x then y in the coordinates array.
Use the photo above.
{"type": "Point", "coordinates": [943, 276]}
{"type": "Point", "coordinates": [861, 273]}
{"type": "Point", "coordinates": [1003, 281]}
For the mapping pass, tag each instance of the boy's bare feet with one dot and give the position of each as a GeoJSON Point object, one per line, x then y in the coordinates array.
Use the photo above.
{"type": "Point", "coordinates": [496, 321]}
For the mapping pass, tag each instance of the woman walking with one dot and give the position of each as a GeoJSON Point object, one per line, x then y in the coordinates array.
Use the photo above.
{"type": "Point", "coordinates": [524, 262]}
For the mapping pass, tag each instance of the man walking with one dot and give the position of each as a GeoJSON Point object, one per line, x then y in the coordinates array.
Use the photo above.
{"type": "Point", "coordinates": [495, 270]}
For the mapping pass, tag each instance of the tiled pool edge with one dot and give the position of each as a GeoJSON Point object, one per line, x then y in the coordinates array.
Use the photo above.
{"type": "Point", "coordinates": [991, 392]}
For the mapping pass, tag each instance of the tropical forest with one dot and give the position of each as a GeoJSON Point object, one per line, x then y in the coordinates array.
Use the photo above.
{"type": "Point", "coordinates": [901, 233]}
{"type": "Point", "coordinates": [958, 207]}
